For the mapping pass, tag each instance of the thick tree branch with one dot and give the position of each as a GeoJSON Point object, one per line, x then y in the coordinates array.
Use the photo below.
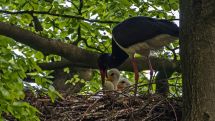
{"type": "Point", "coordinates": [74, 56]}
{"type": "Point", "coordinates": [157, 63]}
{"type": "Point", "coordinates": [48, 46]}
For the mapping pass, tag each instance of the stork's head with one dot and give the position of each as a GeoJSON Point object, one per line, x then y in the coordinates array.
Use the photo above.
{"type": "Point", "coordinates": [113, 75]}
{"type": "Point", "coordinates": [122, 84]}
{"type": "Point", "coordinates": [104, 64]}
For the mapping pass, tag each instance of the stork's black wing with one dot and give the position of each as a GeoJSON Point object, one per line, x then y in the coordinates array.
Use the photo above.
{"type": "Point", "coordinates": [140, 29]}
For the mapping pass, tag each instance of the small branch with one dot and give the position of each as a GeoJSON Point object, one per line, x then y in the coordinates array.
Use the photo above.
{"type": "Point", "coordinates": [80, 7]}
{"type": "Point", "coordinates": [73, 4]}
{"type": "Point", "coordinates": [59, 15]}
{"type": "Point", "coordinates": [173, 51]}
{"type": "Point", "coordinates": [91, 47]}
{"type": "Point", "coordinates": [79, 36]}
{"type": "Point", "coordinates": [79, 26]}
{"type": "Point", "coordinates": [171, 8]}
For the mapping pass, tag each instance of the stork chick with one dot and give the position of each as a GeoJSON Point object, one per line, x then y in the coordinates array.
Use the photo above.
{"type": "Point", "coordinates": [123, 84]}
{"type": "Point", "coordinates": [108, 86]}
{"type": "Point", "coordinates": [113, 76]}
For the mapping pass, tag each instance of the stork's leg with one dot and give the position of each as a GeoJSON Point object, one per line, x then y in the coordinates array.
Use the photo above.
{"type": "Point", "coordinates": [151, 74]}
{"type": "Point", "coordinates": [135, 68]}
{"type": "Point", "coordinates": [103, 73]}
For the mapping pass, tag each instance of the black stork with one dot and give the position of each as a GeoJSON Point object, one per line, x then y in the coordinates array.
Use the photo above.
{"type": "Point", "coordinates": [137, 35]}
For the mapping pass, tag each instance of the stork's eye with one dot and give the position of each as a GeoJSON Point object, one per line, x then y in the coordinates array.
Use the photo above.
{"type": "Point", "coordinates": [112, 74]}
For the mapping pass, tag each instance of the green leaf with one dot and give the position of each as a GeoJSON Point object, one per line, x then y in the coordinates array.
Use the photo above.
{"type": "Point", "coordinates": [53, 93]}
{"type": "Point", "coordinates": [67, 70]}
{"type": "Point", "coordinates": [5, 93]}
{"type": "Point", "coordinates": [39, 55]}
{"type": "Point", "coordinates": [5, 41]}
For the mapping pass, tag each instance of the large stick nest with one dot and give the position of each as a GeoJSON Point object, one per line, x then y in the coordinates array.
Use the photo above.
{"type": "Point", "coordinates": [114, 106]}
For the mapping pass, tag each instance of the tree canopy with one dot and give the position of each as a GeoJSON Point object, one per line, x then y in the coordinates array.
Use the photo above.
{"type": "Point", "coordinates": [39, 36]}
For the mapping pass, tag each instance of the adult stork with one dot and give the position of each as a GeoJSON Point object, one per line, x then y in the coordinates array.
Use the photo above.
{"type": "Point", "coordinates": [137, 35]}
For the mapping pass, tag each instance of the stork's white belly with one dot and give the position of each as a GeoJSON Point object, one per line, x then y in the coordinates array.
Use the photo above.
{"type": "Point", "coordinates": [143, 48]}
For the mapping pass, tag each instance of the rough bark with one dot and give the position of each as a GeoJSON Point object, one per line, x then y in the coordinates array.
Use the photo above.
{"type": "Point", "coordinates": [47, 46]}
{"type": "Point", "coordinates": [74, 56]}
{"type": "Point", "coordinates": [197, 47]}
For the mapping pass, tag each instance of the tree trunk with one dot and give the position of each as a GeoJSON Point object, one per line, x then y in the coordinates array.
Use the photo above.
{"type": "Point", "coordinates": [197, 46]}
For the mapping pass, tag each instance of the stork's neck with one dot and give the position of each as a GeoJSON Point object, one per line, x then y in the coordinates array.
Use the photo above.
{"type": "Point", "coordinates": [118, 56]}
{"type": "Point", "coordinates": [116, 59]}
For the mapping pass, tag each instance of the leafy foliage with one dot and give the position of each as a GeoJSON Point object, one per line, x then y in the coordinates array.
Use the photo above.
{"type": "Point", "coordinates": [14, 67]}
{"type": "Point", "coordinates": [85, 23]}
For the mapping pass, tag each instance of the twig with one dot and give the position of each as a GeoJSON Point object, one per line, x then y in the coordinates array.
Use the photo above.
{"type": "Point", "coordinates": [150, 112]}
{"type": "Point", "coordinates": [173, 51]}
{"type": "Point", "coordinates": [59, 15]}
{"type": "Point", "coordinates": [85, 42]}
{"type": "Point", "coordinates": [176, 119]}
{"type": "Point", "coordinates": [89, 108]}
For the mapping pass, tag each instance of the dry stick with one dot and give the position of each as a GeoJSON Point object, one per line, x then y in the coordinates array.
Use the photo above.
{"type": "Point", "coordinates": [149, 114]}
{"type": "Point", "coordinates": [132, 114]}
{"type": "Point", "coordinates": [137, 110]}
{"type": "Point", "coordinates": [122, 113]}
{"type": "Point", "coordinates": [155, 106]}
{"type": "Point", "coordinates": [88, 109]}
{"type": "Point", "coordinates": [85, 113]}
{"type": "Point", "coordinates": [176, 119]}
{"type": "Point", "coordinates": [158, 116]}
